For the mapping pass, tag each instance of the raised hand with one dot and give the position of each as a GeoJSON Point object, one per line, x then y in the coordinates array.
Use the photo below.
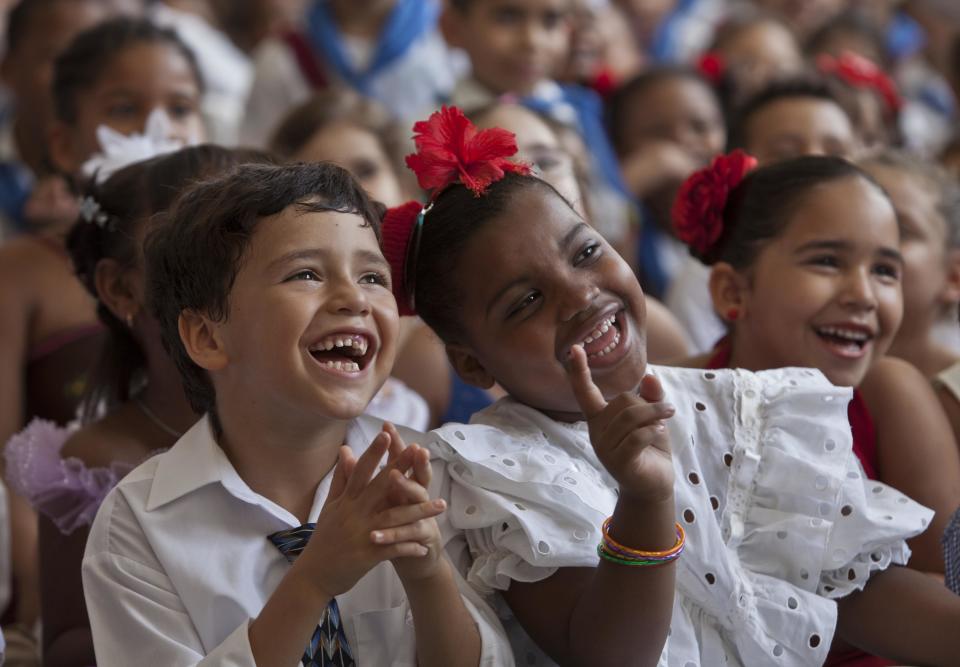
{"type": "Point", "coordinates": [406, 489]}
{"type": "Point", "coordinates": [628, 433]}
{"type": "Point", "coordinates": [344, 546]}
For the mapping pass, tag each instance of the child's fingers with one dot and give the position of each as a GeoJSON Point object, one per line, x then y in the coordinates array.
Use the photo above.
{"type": "Point", "coordinates": [420, 531]}
{"type": "Point", "coordinates": [422, 470]}
{"type": "Point", "coordinates": [633, 417]}
{"type": "Point", "coordinates": [650, 389]}
{"type": "Point", "coordinates": [588, 397]}
{"type": "Point", "coordinates": [402, 550]}
{"type": "Point", "coordinates": [341, 473]}
{"type": "Point", "coordinates": [396, 442]}
{"type": "Point", "coordinates": [367, 463]}
{"type": "Point", "coordinates": [404, 514]}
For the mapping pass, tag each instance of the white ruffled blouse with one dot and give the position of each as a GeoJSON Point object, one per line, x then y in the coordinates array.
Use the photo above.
{"type": "Point", "coordinates": [780, 519]}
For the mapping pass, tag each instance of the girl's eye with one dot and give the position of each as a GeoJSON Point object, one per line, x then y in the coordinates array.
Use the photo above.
{"type": "Point", "coordinates": [825, 260]}
{"type": "Point", "coordinates": [891, 271]}
{"type": "Point", "coordinates": [590, 252]}
{"type": "Point", "coordinates": [525, 302]}
{"type": "Point", "coordinates": [121, 110]}
{"type": "Point", "coordinates": [182, 110]}
{"type": "Point", "coordinates": [305, 274]}
{"type": "Point", "coordinates": [375, 278]}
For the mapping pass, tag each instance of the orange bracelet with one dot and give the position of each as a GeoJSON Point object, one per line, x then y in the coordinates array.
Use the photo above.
{"type": "Point", "coordinates": [636, 553]}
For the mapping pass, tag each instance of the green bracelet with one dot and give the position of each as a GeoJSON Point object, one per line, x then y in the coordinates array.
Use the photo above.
{"type": "Point", "coordinates": [604, 554]}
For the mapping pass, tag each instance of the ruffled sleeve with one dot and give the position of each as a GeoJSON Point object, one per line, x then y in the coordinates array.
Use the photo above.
{"type": "Point", "coordinates": [509, 481]}
{"type": "Point", "coordinates": [64, 490]}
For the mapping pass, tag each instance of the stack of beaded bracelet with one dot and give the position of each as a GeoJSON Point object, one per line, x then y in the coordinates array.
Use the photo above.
{"type": "Point", "coordinates": [611, 550]}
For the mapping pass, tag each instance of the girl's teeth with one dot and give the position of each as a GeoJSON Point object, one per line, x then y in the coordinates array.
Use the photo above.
{"type": "Point", "coordinates": [346, 366]}
{"type": "Point", "coordinates": [609, 348]}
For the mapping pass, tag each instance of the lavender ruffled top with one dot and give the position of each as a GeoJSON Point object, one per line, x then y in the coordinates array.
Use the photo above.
{"type": "Point", "coordinates": [62, 489]}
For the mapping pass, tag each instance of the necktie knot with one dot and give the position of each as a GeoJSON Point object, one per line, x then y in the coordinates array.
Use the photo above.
{"type": "Point", "coordinates": [293, 541]}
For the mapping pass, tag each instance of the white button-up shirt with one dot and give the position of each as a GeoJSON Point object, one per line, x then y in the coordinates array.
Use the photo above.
{"type": "Point", "coordinates": [178, 564]}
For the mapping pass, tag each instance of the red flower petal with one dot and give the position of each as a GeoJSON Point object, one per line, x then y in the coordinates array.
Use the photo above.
{"type": "Point", "coordinates": [450, 150]}
{"type": "Point", "coordinates": [698, 209]}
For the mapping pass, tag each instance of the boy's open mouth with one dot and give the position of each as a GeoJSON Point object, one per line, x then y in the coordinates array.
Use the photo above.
{"type": "Point", "coordinates": [348, 353]}
{"type": "Point", "coordinates": [845, 340]}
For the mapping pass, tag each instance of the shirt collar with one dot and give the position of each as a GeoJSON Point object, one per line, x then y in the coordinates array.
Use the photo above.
{"type": "Point", "coordinates": [196, 460]}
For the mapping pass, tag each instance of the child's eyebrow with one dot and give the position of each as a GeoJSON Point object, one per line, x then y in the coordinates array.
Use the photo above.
{"type": "Point", "coordinates": [320, 254]}
{"type": "Point", "coordinates": [888, 253]}
{"type": "Point", "coordinates": [572, 234]}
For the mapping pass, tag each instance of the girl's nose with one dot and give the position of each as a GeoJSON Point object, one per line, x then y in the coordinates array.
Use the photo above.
{"type": "Point", "coordinates": [578, 298]}
{"type": "Point", "coordinates": [859, 289]}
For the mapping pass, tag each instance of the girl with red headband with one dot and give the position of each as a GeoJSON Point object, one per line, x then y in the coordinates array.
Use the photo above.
{"type": "Point", "coordinates": [579, 491]}
{"type": "Point", "coordinates": [806, 269]}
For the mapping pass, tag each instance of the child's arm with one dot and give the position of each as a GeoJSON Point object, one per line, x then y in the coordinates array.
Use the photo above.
{"type": "Point", "coordinates": [903, 615]}
{"type": "Point", "coordinates": [447, 635]}
{"type": "Point", "coordinates": [614, 614]}
{"type": "Point", "coordinates": [916, 450]}
{"type": "Point", "coordinates": [338, 555]}
{"type": "Point", "coordinates": [66, 628]}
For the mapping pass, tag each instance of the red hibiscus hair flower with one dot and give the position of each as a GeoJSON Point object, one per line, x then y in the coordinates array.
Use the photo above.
{"type": "Point", "coordinates": [450, 149]}
{"type": "Point", "coordinates": [698, 209]}
{"type": "Point", "coordinates": [712, 66]}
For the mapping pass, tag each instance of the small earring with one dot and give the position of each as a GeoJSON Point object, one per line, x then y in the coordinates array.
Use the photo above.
{"type": "Point", "coordinates": [733, 314]}
{"type": "Point", "coordinates": [129, 320]}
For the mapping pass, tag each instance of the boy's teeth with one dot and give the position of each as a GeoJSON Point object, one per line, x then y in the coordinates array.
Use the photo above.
{"type": "Point", "coordinates": [347, 366]}
{"type": "Point", "coordinates": [359, 343]}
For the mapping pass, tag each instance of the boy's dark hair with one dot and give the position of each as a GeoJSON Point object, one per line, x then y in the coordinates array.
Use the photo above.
{"type": "Point", "coordinates": [616, 107]}
{"type": "Point", "coordinates": [851, 21]}
{"type": "Point", "coordinates": [194, 256]}
{"type": "Point", "coordinates": [802, 86]}
{"type": "Point", "coordinates": [81, 65]}
{"type": "Point", "coordinates": [20, 18]}
{"type": "Point", "coordinates": [127, 200]}
{"type": "Point", "coordinates": [457, 215]}
{"type": "Point", "coordinates": [761, 206]}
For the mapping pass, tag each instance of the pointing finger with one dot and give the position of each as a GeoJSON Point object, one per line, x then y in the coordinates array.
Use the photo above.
{"type": "Point", "coordinates": [588, 397]}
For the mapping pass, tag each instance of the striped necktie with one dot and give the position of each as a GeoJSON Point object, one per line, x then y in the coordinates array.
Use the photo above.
{"type": "Point", "coordinates": [328, 646]}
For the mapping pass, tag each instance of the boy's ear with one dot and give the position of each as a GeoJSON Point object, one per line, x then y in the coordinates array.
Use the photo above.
{"type": "Point", "coordinates": [202, 341]}
{"type": "Point", "coordinates": [114, 290]}
{"type": "Point", "coordinates": [451, 25]}
{"type": "Point", "coordinates": [951, 290]}
{"type": "Point", "coordinates": [63, 152]}
{"type": "Point", "coordinates": [468, 367]}
{"type": "Point", "coordinates": [728, 290]}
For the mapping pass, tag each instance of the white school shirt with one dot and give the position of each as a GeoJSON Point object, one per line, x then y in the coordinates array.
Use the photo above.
{"type": "Point", "coordinates": [780, 519]}
{"type": "Point", "coordinates": [178, 564]}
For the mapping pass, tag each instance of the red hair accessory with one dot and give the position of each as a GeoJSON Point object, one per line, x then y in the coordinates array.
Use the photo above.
{"type": "Point", "coordinates": [712, 66]}
{"type": "Point", "coordinates": [450, 149]}
{"type": "Point", "coordinates": [698, 209]}
{"type": "Point", "coordinates": [860, 72]}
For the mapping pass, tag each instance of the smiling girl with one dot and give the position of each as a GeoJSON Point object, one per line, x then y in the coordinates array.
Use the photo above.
{"type": "Point", "coordinates": [756, 469]}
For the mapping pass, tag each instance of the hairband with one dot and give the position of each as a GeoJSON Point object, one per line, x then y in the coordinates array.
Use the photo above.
{"type": "Point", "coordinates": [450, 150]}
{"type": "Point", "coordinates": [698, 210]}
{"type": "Point", "coordinates": [860, 72]}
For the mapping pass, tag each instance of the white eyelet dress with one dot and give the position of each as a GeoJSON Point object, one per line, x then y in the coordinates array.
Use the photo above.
{"type": "Point", "coordinates": [779, 517]}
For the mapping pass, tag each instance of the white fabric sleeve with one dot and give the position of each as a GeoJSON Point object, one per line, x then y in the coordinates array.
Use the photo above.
{"type": "Point", "coordinates": [136, 615]}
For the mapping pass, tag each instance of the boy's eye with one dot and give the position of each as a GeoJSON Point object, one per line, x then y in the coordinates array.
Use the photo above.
{"type": "Point", "coordinates": [182, 110]}
{"type": "Point", "coordinates": [121, 110]}
{"type": "Point", "coordinates": [588, 253]}
{"type": "Point", "coordinates": [551, 20]}
{"type": "Point", "coordinates": [508, 15]}
{"type": "Point", "coordinates": [305, 274]}
{"type": "Point", "coordinates": [375, 278]}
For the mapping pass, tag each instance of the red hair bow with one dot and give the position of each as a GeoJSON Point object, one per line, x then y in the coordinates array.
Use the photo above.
{"type": "Point", "coordinates": [860, 72]}
{"type": "Point", "coordinates": [450, 149]}
{"type": "Point", "coordinates": [712, 66]}
{"type": "Point", "coordinates": [698, 209]}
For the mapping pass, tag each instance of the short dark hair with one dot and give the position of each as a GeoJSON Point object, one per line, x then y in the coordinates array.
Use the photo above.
{"type": "Point", "coordinates": [617, 105]}
{"type": "Point", "coordinates": [853, 21]}
{"type": "Point", "coordinates": [81, 65]}
{"type": "Point", "coordinates": [456, 216]}
{"type": "Point", "coordinates": [760, 207]}
{"type": "Point", "coordinates": [809, 86]}
{"type": "Point", "coordinates": [194, 256]}
{"type": "Point", "coordinates": [127, 200]}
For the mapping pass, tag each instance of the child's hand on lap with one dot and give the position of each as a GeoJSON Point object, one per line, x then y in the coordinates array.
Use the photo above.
{"type": "Point", "coordinates": [628, 433]}
{"type": "Point", "coordinates": [343, 548]}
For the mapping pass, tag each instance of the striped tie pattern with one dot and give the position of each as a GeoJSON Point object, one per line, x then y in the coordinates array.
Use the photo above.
{"type": "Point", "coordinates": [328, 646]}
{"type": "Point", "coordinates": [951, 553]}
